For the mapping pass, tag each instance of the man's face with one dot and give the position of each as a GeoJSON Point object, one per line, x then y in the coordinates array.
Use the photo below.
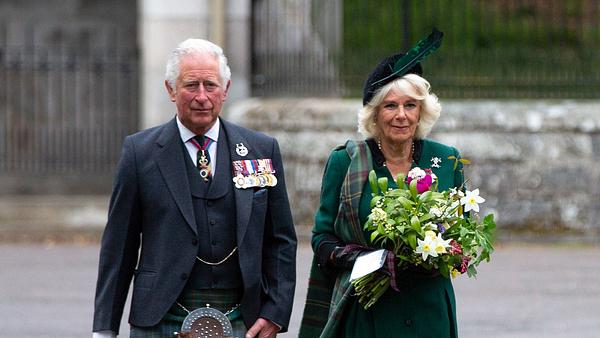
{"type": "Point", "coordinates": [199, 92]}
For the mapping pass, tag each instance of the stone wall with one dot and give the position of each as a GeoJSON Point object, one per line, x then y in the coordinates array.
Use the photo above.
{"type": "Point", "coordinates": [534, 161]}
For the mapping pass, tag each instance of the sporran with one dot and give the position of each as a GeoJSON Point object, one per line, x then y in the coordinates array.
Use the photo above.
{"type": "Point", "coordinates": [206, 322]}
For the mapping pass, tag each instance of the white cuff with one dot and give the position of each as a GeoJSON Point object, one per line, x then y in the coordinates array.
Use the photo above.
{"type": "Point", "coordinates": [104, 334]}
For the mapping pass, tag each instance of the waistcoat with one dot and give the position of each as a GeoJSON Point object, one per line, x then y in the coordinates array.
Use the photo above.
{"type": "Point", "coordinates": [215, 214]}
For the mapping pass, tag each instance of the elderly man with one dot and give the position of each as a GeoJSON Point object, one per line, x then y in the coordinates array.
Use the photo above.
{"type": "Point", "coordinates": [199, 216]}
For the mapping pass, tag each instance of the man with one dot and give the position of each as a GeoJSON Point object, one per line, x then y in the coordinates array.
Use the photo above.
{"type": "Point", "coordinates": [199, 215]}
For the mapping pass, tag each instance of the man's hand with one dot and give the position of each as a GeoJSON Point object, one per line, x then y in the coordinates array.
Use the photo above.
{"type": "Point", "coordinates": [263, 328]}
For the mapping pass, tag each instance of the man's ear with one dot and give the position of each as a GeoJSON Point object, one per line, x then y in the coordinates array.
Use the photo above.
{"type": "Point", "coordinates": [226, 90]}
{"type": "Point", "coordinates": [170, 90]}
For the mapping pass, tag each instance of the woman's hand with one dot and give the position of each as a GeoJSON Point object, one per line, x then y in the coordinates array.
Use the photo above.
{"type": "Point", "coordinates": [343, 257]}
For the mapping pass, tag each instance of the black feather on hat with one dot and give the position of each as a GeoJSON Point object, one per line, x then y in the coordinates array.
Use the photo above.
{"type": "Point", "coordinates": [398, 65]}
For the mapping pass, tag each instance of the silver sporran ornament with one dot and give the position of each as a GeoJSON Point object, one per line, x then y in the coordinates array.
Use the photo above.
{"type": "Point", "coordinates": [206, 322]}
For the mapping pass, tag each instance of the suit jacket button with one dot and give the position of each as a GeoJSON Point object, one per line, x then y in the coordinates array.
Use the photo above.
{"type": "Point", "coordinates": [408, 322]}
{"type": "Point", "coordinates": [184, 276]}
{"type": "Point", "coordinates": [213, 222]}
{"type": "Point", "coordinates": [194, 242]}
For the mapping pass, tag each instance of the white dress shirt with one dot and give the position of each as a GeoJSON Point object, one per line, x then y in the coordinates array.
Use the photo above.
{"type": "Point", "coordinates": [212, 133]}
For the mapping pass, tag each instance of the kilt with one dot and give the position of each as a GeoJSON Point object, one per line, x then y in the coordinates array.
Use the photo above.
{"type": "Point", "coordinates": [220, 299]}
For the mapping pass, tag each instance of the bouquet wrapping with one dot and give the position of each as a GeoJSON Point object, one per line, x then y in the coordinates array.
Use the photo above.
{"type": "Point", "coordinates": [425, 229]}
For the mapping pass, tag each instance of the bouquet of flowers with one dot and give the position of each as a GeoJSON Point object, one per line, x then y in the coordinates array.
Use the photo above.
{"type": "Point", "coordinates": [424, 228]}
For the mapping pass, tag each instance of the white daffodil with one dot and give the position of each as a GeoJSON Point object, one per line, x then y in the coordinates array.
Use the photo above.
{"type": "Point", "coordinates": [426, 247]}
{"type": "Point", "coordinates": [441, 244]}
{"type": "Point", "coordinates": [472, 200]}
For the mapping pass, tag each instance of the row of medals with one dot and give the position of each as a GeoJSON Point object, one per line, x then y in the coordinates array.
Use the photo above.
{"type": "Point", "coordinates": [255, 180]}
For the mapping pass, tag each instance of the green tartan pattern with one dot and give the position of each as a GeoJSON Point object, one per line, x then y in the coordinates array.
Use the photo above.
{"type": "Point", "coordinates": [222, 300]}
{"type": "Point", "coordinates": [324, 307]}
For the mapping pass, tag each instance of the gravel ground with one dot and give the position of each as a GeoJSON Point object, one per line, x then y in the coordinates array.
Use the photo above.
{"type": "Point", "coordinates": [548, 291]}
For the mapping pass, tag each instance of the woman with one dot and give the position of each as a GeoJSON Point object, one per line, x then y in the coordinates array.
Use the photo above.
{"type": "Point", "coordinates": [398, 113]}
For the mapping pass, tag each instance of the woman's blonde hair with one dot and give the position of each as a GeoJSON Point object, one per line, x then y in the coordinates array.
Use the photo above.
{"type": "Point", "coordinates": [412, 85]}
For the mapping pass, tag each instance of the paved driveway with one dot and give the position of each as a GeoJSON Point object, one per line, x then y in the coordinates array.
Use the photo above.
{"type": "Point", "coordinates": [526, 291]}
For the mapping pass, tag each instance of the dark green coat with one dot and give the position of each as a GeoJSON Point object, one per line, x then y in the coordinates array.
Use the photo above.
{"type": "Point", "coordinates": [425, 307]}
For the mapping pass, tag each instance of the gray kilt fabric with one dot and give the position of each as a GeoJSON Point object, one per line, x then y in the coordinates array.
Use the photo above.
{"type": "Point", "coordinates": [222, 300]}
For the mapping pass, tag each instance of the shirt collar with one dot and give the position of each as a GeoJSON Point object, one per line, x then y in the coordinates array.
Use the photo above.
{"type": "Point", "coordinates": [186, 134]}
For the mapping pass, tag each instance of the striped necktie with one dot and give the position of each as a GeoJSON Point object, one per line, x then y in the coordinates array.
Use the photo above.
{"type": "Point", "coordinates": [203, 157]}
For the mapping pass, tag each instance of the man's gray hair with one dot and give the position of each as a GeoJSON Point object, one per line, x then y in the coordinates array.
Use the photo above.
{"type": "Point", "coordinates": [195, 46]}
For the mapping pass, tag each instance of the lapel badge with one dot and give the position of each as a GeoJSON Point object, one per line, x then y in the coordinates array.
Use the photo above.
{"type": "Point", "coordinates": [436, 162]}
{"type": "Point", "coordinates": [241, 149]}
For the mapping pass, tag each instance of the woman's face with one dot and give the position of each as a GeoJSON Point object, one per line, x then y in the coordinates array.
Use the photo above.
{"type": "Point", "coordinates": [398, 117]}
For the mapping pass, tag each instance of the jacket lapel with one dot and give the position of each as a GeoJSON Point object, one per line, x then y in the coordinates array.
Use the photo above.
{"type": "Point", "coordinates": [221, 181]}
{"type": "Point", "coordinates": [171, 163]}
{"type": "Point", "coordinates": [243, 197]}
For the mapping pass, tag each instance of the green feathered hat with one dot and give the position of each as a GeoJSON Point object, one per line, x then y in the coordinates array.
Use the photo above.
{"type": "Point", "coordinates": [398, 65]}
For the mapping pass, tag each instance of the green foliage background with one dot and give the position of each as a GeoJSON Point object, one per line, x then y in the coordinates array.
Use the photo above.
{"type": "Point", "coordinates": [491, 49]}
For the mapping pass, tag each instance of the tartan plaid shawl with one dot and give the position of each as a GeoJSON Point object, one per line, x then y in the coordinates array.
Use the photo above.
{"type": "Point", "coordinates": [327, 298]}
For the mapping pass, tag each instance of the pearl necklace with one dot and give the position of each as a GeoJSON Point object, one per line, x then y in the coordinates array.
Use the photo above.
{"type": "Point", "coordinates": [412, 150]}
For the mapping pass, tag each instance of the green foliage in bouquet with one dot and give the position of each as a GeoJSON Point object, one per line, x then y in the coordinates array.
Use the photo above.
{"type": "Point", "coordinates": [424, 228]}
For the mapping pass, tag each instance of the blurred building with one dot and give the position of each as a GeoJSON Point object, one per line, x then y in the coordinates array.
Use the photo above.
{"type": "Point", "coordinates": [79, 75]}
{"type": "Point", "coordinates": [519, 81]}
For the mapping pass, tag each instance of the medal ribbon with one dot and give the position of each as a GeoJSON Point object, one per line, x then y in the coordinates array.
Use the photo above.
{"type": "Point", "coordinates": [253, 167]}
{"type": "Point", "coordinates": [254, 173]}
{"type": "Point", "coordinates": [206, 143]}
{"type": "Point", "coordinates": [203, 157]}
